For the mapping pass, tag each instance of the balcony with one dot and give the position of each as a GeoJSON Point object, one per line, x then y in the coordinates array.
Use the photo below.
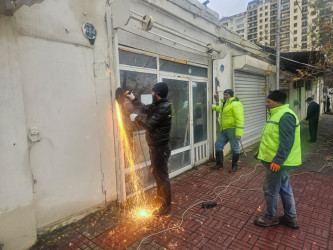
{"type": "Point", "coordinates": [273, 6]}
{"type": "Point", "coordinates": [285, 15]}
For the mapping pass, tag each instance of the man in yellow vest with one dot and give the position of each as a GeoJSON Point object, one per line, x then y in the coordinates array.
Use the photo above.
{"type": "Point", "coordinates": [231, 128]}
{"type": "Point", "coordinates": [279, 151]}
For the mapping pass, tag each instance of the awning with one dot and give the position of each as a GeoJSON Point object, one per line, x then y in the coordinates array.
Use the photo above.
{"type": "Point", "coordinates": [251, 64]}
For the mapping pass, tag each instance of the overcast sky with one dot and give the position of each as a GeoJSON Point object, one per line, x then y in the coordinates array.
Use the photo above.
{"type": "Point", "coordinates": [227, 7]}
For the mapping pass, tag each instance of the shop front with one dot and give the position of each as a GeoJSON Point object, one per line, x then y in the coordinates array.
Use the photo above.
{"type": "Point", "coordinates": [188, 94]}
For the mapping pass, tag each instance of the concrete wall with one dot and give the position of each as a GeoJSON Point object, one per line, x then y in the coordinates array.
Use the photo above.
{"type": "Point", "coordinates": [66, 84]}
{"type": "Point", "coordinates": [53, 80]}
{"type": "Point", "coordinates": [17, 218]}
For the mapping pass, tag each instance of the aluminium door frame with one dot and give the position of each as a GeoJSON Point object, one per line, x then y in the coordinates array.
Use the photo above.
{"type": "Point", "coordinates": [190, 80]}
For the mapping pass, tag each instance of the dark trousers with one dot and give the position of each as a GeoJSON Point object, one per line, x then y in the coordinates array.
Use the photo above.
{"type": "Point", "coordinates": [313, 127]}
{"type": "Point", "coordinates": [159, 168]}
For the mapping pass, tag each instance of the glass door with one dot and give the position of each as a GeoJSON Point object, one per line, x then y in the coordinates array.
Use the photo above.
{"type": "Point", "coordinates": [200, 121]}
{"type": "Point", "coordinates": [180, 129]}
{"type": "Point", "coordinates": [199, 97]}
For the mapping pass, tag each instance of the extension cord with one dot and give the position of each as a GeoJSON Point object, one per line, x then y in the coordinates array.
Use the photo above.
{"type": "Point", "coordinates": [208, 204]}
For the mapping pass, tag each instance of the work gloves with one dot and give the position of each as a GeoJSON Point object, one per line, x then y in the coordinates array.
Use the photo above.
{"type": "Point", "coordinates": [132, 116]}
{"type": "Point", "coordinates": [129, 95]}
{"type": "Point", "coordinates": [275, 167]}
{"type": "Point", "coordinates": [238, 137]}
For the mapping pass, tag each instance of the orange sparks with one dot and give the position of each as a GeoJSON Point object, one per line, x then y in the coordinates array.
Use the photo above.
{"type": "Point", "coordinates": [140, 200]}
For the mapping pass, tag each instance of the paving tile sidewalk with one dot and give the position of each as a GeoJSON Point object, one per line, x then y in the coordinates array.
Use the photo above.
{"type": "Point", "coordinates": [229, 225]}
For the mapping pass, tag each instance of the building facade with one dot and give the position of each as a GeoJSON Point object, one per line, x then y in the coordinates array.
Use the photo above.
{"type": "Point", "coordinates": [236, 23]}
{"type": "Point", "coordinates": [61, 152]}
{"type": "Point", "coordinates": [261, 22]}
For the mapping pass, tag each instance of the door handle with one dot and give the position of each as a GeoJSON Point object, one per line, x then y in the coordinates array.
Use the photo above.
{"type": "Point", "coordinates": [33, 134]}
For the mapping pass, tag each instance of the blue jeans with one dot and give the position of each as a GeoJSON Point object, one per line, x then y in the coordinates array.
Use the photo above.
{"type": "Point", "coordinates": [275, 184]}
{"type": "Point", "coordinates": [224, 137]}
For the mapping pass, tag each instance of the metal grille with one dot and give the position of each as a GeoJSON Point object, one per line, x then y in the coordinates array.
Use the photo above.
{"type": "Point", "coordinates": [201, 152]}
{"type": "Point", "coordinates": [250, 89]}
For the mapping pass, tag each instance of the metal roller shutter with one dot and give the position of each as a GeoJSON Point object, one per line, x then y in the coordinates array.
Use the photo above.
{"type": "Point", "coordinates": [250, 89]}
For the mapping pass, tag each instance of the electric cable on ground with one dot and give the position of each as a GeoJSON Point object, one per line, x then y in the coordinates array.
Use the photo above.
{"type": "Point", "coordinates": [327, 159]}
{"type": "Point", "coordinates": [197, 203]}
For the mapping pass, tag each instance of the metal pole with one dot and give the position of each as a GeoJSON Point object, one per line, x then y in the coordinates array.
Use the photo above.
{"type": "Point", "coordinates": [242, 148]}
{"type": "Point", "coordinates": [327, 92]}
{"type": "Point", "coordinates": [278, 24]}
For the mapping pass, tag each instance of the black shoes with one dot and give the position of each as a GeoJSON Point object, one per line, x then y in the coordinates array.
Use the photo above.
{"type": "Point", "coordinates": [267, 222]}
{"type": "Point", "coordinates": [289, 222]}
{"type": "Point", "coordinates": [163, 210]}
{"type": "Point", "coordinates": [233, 169]}
{"type": "Point", "coordinates": [216, 167]}
{"type": "Point", "coordinates": [264, 221]}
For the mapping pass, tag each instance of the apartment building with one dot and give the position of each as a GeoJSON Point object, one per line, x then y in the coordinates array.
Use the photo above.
{"type": "Point", "coordinates": [261, 17]}
{"type": "Point", "coordinates": [236, 23]}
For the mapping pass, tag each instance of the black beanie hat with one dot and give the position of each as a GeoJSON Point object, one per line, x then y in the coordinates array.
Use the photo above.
{"type": "Point", "coordinates": [161, 88]}
{"type": "Point", "coordinates": [277, 96]}
{"type": "Point", "coordinates": [229, 91]}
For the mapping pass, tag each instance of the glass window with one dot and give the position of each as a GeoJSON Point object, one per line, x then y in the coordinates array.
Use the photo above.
{"type": "Point", "coordinates": [199, 91]}
{"type": "Point", "coordinates": [179, 161]}
{"type": "Point", "coordinates": [144, 179]}
{"type": "Point", "coordinates": [136, 59]}
{"type": "Point", "coordinates": [140, 84]}
{"type": "Point", "coordinates": [180, 128]}
{"type": "Point", "coordinates": [186, 69]}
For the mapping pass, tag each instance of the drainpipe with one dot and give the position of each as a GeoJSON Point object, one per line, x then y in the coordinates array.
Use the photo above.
{"type": "Point", "coordinates": [277, 39]}
{"type": "Point", "coordinates": [114, 63]}
{"type": "Point", "coordinates": [327, 92]}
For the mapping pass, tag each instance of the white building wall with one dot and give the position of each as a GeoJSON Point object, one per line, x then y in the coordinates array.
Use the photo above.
{"type": "Point", "coordinates": [67, 97]}
{"type": "Point", "coordinates": [17, 218]}
{"type": "Point", "coordinates": [62, 87]}
{"type": "Point", "coordinates": [54, 80]}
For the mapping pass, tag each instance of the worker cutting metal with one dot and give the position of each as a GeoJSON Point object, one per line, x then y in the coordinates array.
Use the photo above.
{"type": "Point", "coordinates": [156, 120]}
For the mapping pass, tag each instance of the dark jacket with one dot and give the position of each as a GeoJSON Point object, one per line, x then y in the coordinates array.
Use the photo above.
{"type": "Point", "coordinates": [157, 123]}
{"type": "Point", "coordinates": [313, 111]}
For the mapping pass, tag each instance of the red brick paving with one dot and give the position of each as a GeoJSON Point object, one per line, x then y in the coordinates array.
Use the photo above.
{"type": "Point", "coordinates": [229, 225]}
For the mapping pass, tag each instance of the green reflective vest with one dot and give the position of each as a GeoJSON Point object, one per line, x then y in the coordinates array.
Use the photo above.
{"type": "Point", "coordinates": [231, 115]}
{"type": "Point", "coordinates": [269, 143]}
